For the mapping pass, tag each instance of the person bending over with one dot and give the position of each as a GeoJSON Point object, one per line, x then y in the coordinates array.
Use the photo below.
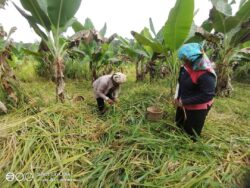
{"type": "Point", "coordinates": [107, 88]}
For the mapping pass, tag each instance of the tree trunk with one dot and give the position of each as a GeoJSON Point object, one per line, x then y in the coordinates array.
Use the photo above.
{"type": "Point", "coordinates": [224, 86]}
{"type": "Point", "coordinates": [59, 78]}
{"type": "Point", "coordinates": [94, 74]}
{"type": "Point", "coordinates": [152, 70]}
{"type": "Point", "coordinates": [143, 71]}
{"type": "Point", "coordinates": [139, 71]}
{"type": "Point", "coordinates": [93, 71]}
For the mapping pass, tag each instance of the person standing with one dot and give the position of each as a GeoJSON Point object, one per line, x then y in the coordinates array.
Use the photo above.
{"type": "Point", "coordinates": [195, 89]}
{"type": "Point", "coordinates": [107, 88]}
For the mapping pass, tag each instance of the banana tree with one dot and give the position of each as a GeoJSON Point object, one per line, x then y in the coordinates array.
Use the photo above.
{"type": "Point", "coordinates": [93, 45]}
{"type": "Point", "coordinates": [172, 35]}
{"type": "Point", "coordinates": [50, 19]}
{"type": "Point", "coordinates": [134, 52]}
{"type": "Point", "coordinates": [8, 80]}
{"type": "Point", "coordinates": [148, 50]}
{"type": "Point", "coordinates": [156, 65]}
{"type": "Point", "coordinates": [230, 34]}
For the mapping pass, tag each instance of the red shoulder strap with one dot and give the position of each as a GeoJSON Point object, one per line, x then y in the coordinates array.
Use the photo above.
{"type": "Point", "coordinates": [194, 74]}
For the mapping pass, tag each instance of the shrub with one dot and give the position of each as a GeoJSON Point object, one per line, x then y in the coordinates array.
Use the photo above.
{"type": "Point", "coordinates": [27, 72]}
{"type": "Point", "coordinates": [75, 69]}
{"type": "Point", "coordinates": [44, 69]}
{"type": "Point", "coordinates": [242, 73]}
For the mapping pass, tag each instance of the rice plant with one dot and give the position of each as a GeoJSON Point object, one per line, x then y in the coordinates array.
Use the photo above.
{"type": "Point", "coordinates": [70, 145]}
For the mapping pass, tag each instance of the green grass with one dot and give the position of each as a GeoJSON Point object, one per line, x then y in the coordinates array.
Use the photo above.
{"type": "Point", "coordinates": [77, 70]}
{"type": "Point", "coordinates": [26, 72]}
{"type": "Point", "coordinates": [122, 148]}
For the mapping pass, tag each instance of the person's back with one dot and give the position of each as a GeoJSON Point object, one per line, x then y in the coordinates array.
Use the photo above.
{"type": "Point", "coordinates": [106, 88]}
{"type": "Point", "coordinates": [102, 85]}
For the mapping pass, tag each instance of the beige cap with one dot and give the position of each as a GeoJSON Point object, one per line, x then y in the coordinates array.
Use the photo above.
{"type": "Point", "coordinates": [119, 77]}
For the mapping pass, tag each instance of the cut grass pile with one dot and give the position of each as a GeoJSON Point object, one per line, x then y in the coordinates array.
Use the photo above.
{"type": "Point", "coordinates": [70, 145]}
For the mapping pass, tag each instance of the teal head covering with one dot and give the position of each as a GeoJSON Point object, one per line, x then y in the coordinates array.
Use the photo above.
{"type": "Point", "coordinates": [193, 52]}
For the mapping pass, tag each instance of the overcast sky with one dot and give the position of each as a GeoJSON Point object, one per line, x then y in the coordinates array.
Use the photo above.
{"type": "Point", "coordinates": [121, 16]}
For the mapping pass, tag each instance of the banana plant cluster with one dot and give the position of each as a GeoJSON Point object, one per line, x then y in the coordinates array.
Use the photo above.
{"type": "Point", "coordinates": [146, 60]}
{"type": "Point", "coordinates": [135, 52]}
{"type": "Point", "coordinates": [235, 32]}
{"type": "Point", "coordinates": [50, 19]}
{"type": "Point", "coordinates": [93, 46]}
{"type": "Point", "coordinates": [172, 35]}
{"type": "Point", "coordinates": [8, 80]}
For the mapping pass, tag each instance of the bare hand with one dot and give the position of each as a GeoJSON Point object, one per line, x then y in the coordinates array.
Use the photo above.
{"type": "Point", "coordinates": [177, 103]}
{"type": "Point", "coordinates": [111, 102]}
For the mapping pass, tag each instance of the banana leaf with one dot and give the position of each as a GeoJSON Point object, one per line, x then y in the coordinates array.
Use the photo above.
{"type": "Point", "coordinates": [134, 52]}
{"type": "Point", "coordinates": [56, 14]}
{"type": "Point", "coordinates": [207, 25]}
{"type": "Point", "coordinates": [242, 36]}
{"type": "Point", "coordinates": [142, 53]}
{"type": "Point", "coordinates": [218, 20]}
{"type": "Point", "coordinates": [192, 36]}
{"type": "Point", "coordinates": [241, 16]}
{"type": "Point", "coordinates": [156, 47]}
{"type": "Point", "coordinates": [223, 6]}
{"type": "Point", "coordinates": [159, 35]}
{"type": "Point", "coordinates": [103, 30]}
{"type": "Point", "coordinates": [32, 22]}
{"type": "Point", "coordinates": [61, 11]}
{"type": "Point", "coordinates": [152, 28]}
{"type": "Point", "coordinates": [2, 45]}
{"type": "Point", "coordinates": [37, 13]}
{"type": "Point", "coordinates": [146, 33]}
{"type": "Point", "coordinates": [178, 25]}
{"type": "Point", "coordinates": [246, 44]}
{"type": "Point", "coordinates": [88, 24]}
{"type": "Point", "coordinates": [223, 23]}
{"type": "Point", "coordinates": [242, 2]}
{"type": "Point", "coordinates": [30, 52]}
{"type": "Point", "coordinates": [129, 51]}
{"type": "Point", "coordinates": [77, 26]}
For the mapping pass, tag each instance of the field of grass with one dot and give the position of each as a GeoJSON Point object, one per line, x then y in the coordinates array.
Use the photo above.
{"type": "Point", "coordinates": [70, 145]}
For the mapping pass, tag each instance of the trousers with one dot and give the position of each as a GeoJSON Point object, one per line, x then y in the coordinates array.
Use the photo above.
{"type": "Point", "coordinates": [194, 121]}
{"type": "Point", "coordinates": [100, 101]}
